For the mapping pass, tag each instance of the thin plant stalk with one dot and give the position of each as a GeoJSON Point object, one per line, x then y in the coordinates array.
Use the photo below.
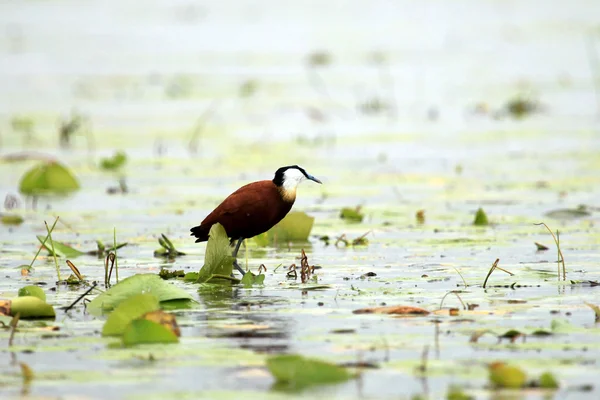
{"type": "Point", "coordinates": [561, 258]}
{"type": "Point", "coordinates": [459, 299]}
{"type": "Point", "coordinates": [43, 243]}
{"type": "Point", "coordinates": [495, 266]}
{"type": "Point", "coordinates": [116, 259]}
{"type": "Point", "coordinates": [53, 251]}
{"type": "Point", "coordinates": [461, 277]}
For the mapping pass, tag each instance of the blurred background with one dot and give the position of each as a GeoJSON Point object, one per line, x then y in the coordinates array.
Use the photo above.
{"type": "Point", "coordinates": [417, 113]}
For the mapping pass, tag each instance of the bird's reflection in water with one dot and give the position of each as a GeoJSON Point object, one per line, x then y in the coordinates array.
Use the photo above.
{"type": "Point", "coordinates": [246, 318]}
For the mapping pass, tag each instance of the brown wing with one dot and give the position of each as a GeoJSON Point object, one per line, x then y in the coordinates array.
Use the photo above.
{"type": "Point", "coordinates": [247, 212]}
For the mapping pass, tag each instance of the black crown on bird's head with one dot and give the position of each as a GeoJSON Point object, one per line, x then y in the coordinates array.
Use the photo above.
{"type": "Point", "coordinates": [279, 178]}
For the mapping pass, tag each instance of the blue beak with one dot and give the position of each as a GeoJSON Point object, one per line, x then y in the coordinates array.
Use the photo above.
{"type": "Point", "coordinates": [312, 178]}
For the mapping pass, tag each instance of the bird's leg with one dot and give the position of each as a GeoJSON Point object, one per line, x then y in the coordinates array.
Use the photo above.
{"type": "Point", "coordinates": [235, 263]}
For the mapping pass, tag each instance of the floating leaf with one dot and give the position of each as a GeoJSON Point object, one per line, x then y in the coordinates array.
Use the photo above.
{"type": "Point", "coordinates": [115, 162]}
{"type": "Point", "coordinates": [295, 227]}
{"type": "Point", "coordinates": [31, 307]}
{"type": "Point", "coordinates": [191, 277]}
{"type": "Point", "coordinates": [395, 310]}
{"type": "Point", "coordinates": [297, 371]}
{"type": "Point", "coordinates": [130, 309]}
{"type": "Point", "coordinates": [34, 291]}
{"type": "Point", "coordinates": [351, 214]}
{"type": "Point", "coordinates": [11, 219]}
{"type": "Point", "coordinates": [61, 249]}
{"type": "Point", "coordinates": [548, 381]}
{"type": "Point", "coordinates": [481, 218]}
{"type": "Point", "coordinates": [218, 259]}
{"type": "Point", "coordinates": [250, 279]}
{"type": "Point", "coordinates": [457, 393]}
{"type": "Point", "coordinates": [569, 213]}
{"type": "Point", "coordinates": [137, 284]}
{"type": "Point", "coordinates": [142, 331]}
{"type": "Point", "coordinates": [165, 319]}
{"type": "Point", "coordinates": [506, 376]}
{"type": "Point", "coordinates": [48, 177]}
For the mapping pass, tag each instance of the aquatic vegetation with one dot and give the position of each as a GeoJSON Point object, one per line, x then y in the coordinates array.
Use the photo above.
{"type": "Point", "coordinates": [48, 178]}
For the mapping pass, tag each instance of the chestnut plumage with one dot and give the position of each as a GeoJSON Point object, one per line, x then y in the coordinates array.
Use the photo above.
{"type": "Point", "coordinates": [256, 207]}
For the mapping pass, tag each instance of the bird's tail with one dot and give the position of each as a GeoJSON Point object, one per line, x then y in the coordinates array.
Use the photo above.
{"type": "Point", "coordinates": [200, 232]}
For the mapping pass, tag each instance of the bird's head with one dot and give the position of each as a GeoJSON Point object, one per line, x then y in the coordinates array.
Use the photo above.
{"type": "Point", "coordinates": [288, 178]}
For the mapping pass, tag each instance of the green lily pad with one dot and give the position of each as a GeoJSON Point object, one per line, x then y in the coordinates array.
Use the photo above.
{"type": "Point", "coordinates": [11, 219]}
{"type": "Point", "coordinates": [506, 376]}
{"type": "Point", "coordinates": [137, 284]}
{"type": "Point", "coordinates": [142, 331]}
{"type": "Point", "coordinates": [481, 218]}
{"type": "Point", "coordinates": [31, 307]}
{"type": "Point", "coordinates": [115, 162]}
{"type": "Point", "coordinates": [34, 291]}
{"type": "Point", "coordinates": [61, 249]}
{"type": "Point", "coordinates": [218, 259]}
{"type": "Point", "coordinates": [297, 371]}
{"type": "Point", "coordinates": [48, 178]}
{"type": "Point", "coordinates": [130, 309]}
{"type": "Point", "coordinates": [250, 279]}
{"type": "Point", "coordinates": [548, 381]}
{"type": "Point", "coordinates": [295, 227]}
{"type": "Point", "coordinates": [351, 214]}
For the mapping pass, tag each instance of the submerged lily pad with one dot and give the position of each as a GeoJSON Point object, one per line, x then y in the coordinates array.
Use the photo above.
{"type": "Point", "coordinates": [296, 371]}
{"type": "Point", "coordinates": [130, 309]}
{"type": "Point", "coordinates": [295, 227]}
{"type": "Point", "coordinates": [48, 177]}
{"type": "Point", "coordinates": [569, 213]}
{"type": "Point", "coordinates": [218, 259]}
{"type": "Point", "coordinates": [137, 284]}
{"type": "Point", "coordinates": [143, 331]}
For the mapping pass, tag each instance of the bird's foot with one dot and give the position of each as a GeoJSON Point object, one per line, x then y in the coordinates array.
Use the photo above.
{"type": "Point", "coordinates": [237, 266]}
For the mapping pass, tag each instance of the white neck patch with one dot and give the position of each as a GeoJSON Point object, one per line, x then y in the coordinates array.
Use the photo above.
{"type": "Point", "coordinates": [291, 178]}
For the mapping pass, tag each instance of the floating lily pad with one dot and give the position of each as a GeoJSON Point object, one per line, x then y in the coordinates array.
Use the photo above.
{"type": "Point", "coordinates": [31, 307]}
{"type": "Point", "coordinates": [137, 284]}
{"type": "Point", "coordinates": [548, 381]}
{"type": "Point", "coordinates": [296, 371]}
{"type": "Point", "coordinates": [351, 214]}
{"type": "Point", "coordinates": [506, 376]}
{"type": "Point", "coordinates": [34, 291]}
{"type": "Point", "coordinates": [130, 309]}
{"type": "Point", "coordinates": [46, 178]}
{"type": "Point", "coordinates": [11, 219]}
{"type": "Point", "coordinates": [250, 279]}
{"type": "Point", "coordinates": [115, 162]}
{"type": "Point", "coordinates": [218, 259]}
{"type": "Point", "coordinates": [142, 331]}
{"type": "Point", "coordinates": [481, 218]}
{"type": "Point", "coordinates": [295, 227]}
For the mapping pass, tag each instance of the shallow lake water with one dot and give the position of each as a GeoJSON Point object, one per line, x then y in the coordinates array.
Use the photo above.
{"type": "Point", "coordinates": [396, 106]}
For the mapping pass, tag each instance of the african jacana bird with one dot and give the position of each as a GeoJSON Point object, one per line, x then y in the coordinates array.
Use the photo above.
{"type": "Point", "coordinates": [255, 208]}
